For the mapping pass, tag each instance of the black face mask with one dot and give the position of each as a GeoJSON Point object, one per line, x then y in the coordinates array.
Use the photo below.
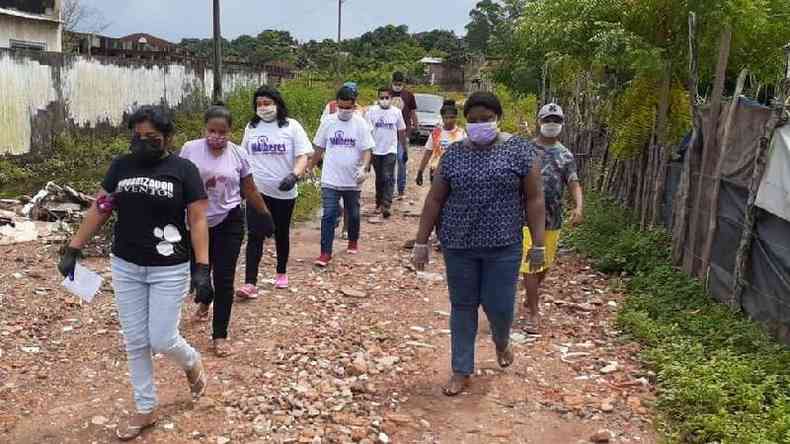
{"type": "Point", "coordinates": [147, 151]}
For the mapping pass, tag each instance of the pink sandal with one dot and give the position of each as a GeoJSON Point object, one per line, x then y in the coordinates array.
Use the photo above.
{"type": "Point", "coordinates": [248, 291]}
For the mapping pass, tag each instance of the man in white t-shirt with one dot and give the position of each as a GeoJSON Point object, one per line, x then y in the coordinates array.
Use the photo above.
{"type": "Point", "coordinates": [344, 142]}
{"type": "Point", "coordinates": [331, 107]}
{"type": "Point", "coordinates": [389, 129]}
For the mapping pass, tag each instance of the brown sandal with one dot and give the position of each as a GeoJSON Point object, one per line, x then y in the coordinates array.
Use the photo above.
{"type": "Point", "coordinates": [130, 432]}
{"type": "Point", "coordinates": [531, 324]}
{"type": "Point", "coordinates": [197, 379]}
{"type": "Point", "coordinates": [505, 357]}
{"type": "Point", "coordinates": [456, 385]}
{"type": "Point", "coordinates": [222, 348]}
{"type": "Point", "coordinates": [201, 313]}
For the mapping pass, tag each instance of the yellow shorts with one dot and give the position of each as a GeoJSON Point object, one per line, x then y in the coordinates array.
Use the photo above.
{"type": "Point", "coordinates": [552, 239]}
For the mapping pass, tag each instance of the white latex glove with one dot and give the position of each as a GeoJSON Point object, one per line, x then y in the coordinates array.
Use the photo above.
{"type": "Point", "coordinates": [421, 255]}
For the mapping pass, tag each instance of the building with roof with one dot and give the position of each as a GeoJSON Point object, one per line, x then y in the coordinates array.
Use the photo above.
{"type": "Point", "coordinates": [31, 25]}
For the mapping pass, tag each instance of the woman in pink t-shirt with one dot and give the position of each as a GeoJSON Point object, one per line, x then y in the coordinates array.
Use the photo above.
{"type": "Point", "coordinates": [227, 177]}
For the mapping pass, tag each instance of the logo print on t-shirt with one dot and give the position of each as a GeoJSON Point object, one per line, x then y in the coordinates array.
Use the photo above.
{"type": "Point", "coordinates": [261, 145]}
{"type": "Point", "coordinates": [383, 124]}
{"type": "Point", "coordinates": [340, 139]}
{"type": "Point", "coordinates": [168, 236]}
{"type": "Point", "coordinates": [214, 181]}
{"type": "Point", "coordinates": [145, 185]}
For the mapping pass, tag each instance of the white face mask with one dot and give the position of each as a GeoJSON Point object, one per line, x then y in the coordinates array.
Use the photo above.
{"type": "Point", "coordinates": [385, 103]}
{"type": "Point", "coordinates": [398, 88]}
{"type": "Point", "coordinates": [551, 130]}
{"type": "Point", "coordinates": [267, 113]}
{"type": "Point", "coordinates": [345, 114]}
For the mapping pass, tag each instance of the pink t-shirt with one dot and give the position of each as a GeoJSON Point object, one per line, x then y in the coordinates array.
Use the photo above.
{"type": "Point", "coordinates": [221, 176]}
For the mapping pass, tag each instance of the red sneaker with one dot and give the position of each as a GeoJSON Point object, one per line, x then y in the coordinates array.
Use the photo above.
{"type": "Point", "coordinates": [323, 260]}
{"type": "Point", "coordinates": [353, 247]}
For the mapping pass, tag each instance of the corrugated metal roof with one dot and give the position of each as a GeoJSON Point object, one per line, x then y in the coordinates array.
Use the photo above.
{"type": "Point", "coordinates": [26, 15]}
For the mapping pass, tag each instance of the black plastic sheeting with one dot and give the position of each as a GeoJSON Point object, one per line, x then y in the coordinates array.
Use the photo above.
{"type": "Point", "coordinates": [767, 298]}
{"type": "Point", "coordinates": [732, 207]}
{"type": "Point", "coordinates": [672, 184]}
{"type": "Point", "coordinates": [767, 295]}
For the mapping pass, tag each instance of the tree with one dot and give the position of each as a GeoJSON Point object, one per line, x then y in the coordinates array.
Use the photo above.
{"type": "Point", "coordinates": [484, 19]}
{"type": "Point", "coordinates": [78, 17]}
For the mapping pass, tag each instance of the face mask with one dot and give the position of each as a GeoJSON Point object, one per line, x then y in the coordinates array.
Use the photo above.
{"type": "Point", "coordinates": [551, 130]}
{"type": "Point", "coordinates": [217, 142]}
{"type": "Point", "coordinates": [146, 151]}
{"type": "Point", "coordinates": [397, 88]}
{"type": "Point", "coordinates": [482, 133]}
{"type": "Point", "coordinates": [385, 103]}
{"type": "Point", "coordinates": [267, 113]}
{"type": "Point", "coordinates": [345, 114]}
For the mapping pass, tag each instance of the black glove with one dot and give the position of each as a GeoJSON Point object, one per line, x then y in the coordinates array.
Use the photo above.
{"type": "Point", "coordinates": [68, 261]}
{"type": "Point", "coordinates": [201, 281]}
{"type": "Point", "coordinates": [405, 154]}
{"type": "Point", "coordinates": [419, 179]}
{"type": "Point", "coordinates": [267, 226]}
{"type": "Point", "coordinates": [289, 182]}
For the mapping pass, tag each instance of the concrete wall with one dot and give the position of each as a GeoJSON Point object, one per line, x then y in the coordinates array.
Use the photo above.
{"type": "Point", "coordinates": [43, 93]}
{"type": "Point", "coordinates": [30, 30]}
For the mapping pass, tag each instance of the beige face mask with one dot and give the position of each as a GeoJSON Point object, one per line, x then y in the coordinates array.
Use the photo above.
{"type": "Point", "coordinates": [267, 113]}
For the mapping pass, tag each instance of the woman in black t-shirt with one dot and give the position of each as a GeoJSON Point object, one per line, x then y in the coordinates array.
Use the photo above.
{"type": "Point", "coordinates": [156, 195]}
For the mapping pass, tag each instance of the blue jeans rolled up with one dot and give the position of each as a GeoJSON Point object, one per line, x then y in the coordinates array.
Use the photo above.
{"type": "Point", "coordinates": [475, 277]}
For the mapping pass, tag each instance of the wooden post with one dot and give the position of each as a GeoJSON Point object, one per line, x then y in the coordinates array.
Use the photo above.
{"type": "Point", "coordinates": [680, 208]}
{"type": "Point", "coordinates": [743, 257]}
{"type": "Point", "coordinates": [709, 140]}
{"type": "Point", "coordinates": [713, 214]}
{"type": "Point", "coordinates": [663, 151]}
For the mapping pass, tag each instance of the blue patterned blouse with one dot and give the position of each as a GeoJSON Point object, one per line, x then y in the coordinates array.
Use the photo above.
{"type": "Point", "coordinates": [485, 207]}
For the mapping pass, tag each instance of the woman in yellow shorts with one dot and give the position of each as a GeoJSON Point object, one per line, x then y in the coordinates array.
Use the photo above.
{"type": "Point", "coordinates": [559, 171]}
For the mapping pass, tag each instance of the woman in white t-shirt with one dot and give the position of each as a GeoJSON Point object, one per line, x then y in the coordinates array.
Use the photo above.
{"type": "Point", "coordinates": [278, 149]}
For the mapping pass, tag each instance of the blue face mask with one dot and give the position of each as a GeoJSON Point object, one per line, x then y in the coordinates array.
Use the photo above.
{"type": "Point", "coordinates": [482, 133]}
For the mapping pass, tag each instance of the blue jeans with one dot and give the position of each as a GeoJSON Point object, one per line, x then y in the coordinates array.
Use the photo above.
{"type": "Point", "coordinates": [149, 308]}
{"type": "Point", "coordinates": [331, 207]}
{"type": "Point", "coordinates": [402, 170]}
{"type": "Point", "coordinates": [480, 276]}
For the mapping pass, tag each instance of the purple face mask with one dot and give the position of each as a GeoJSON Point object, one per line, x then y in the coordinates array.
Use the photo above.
{"type": "Point", "coordinates": [482, 133]}
{"type": "Point", "coordinates": [217, 142]}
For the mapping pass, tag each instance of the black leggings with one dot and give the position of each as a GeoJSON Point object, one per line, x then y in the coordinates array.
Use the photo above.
{"type": "Point", "coordinates": [282, 211]}
{"type": "Point", "coordinates": [224, 247]}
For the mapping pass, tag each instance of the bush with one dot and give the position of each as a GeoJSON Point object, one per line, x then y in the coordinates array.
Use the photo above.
{"type": "Point", "coordinates": [721, 378]}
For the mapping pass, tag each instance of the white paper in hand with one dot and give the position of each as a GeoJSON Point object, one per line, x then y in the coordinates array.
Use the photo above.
{"type": "Point", "coordinates": [86, 283]}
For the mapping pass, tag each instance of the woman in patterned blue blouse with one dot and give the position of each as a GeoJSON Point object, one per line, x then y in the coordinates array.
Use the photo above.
{"type": "Point", "coordinates": [481, 192]}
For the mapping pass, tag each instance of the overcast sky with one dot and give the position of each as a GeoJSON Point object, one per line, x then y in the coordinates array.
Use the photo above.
{"type": "Point", "coordinates": [305, 19]}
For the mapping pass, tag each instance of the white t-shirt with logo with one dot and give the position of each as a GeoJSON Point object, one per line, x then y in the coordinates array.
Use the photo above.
{"type": "Point", "coordinates": [272, 153]}
{"type": "Point", "coordinates": [385, 123]}
{"type": "Point", "coordinates": [344, 144]}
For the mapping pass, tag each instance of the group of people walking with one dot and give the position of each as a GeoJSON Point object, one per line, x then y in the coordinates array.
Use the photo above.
{"type": "Point", "coordinates": [180, 219]}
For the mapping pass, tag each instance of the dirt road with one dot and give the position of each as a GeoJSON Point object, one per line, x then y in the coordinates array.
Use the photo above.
{"type": "Point", "coordinates": [356, 353]}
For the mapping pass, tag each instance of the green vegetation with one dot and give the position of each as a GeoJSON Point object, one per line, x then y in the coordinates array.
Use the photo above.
{"type": "Point", "coordinates": [81, 159]}
{"type": "Point", "coordinates": [720, 377]}
{"type": "Point", "coordinates": [369, 59]}
{"type": "Point", "coordinates": [609, 57]}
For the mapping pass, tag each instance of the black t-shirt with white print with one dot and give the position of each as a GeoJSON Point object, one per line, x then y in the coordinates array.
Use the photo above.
{"type": "Point", "coordinates": [151, 202]}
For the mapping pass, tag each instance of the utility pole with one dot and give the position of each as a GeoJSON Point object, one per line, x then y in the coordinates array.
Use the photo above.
{"type": "Point", "coordinates": [217, 54]}
{"type": "Point", "coordinates": [339, 19]}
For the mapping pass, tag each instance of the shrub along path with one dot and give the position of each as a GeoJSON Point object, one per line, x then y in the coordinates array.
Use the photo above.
{"type": "Point", "coordinates": [352, 354]}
